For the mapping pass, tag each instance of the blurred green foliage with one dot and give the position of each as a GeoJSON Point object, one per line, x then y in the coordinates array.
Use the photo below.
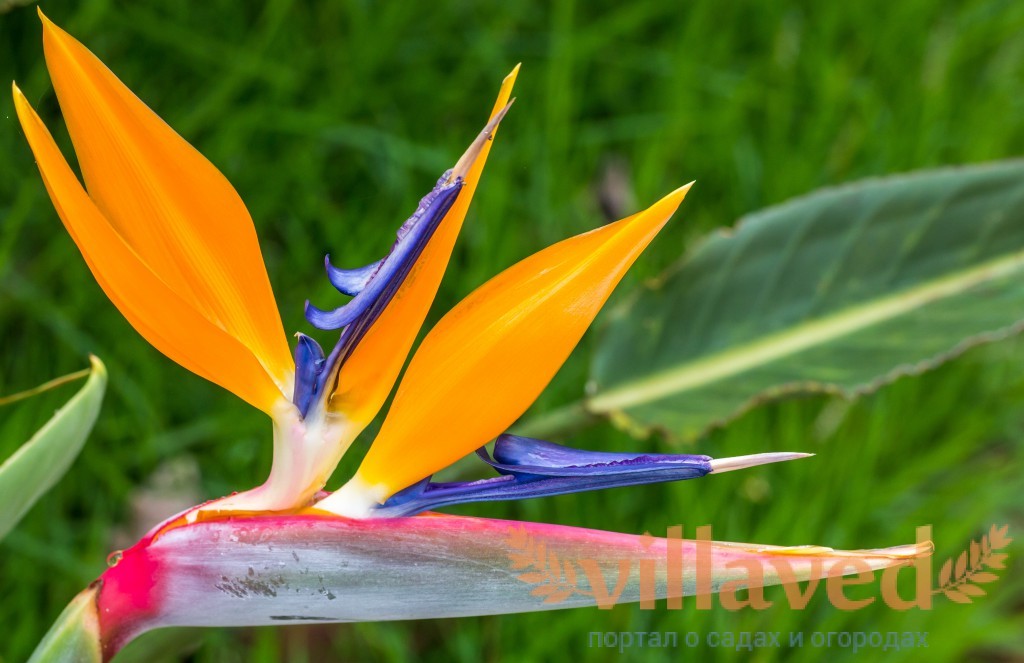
{"type": "Point", "coordinates": [333, 118]}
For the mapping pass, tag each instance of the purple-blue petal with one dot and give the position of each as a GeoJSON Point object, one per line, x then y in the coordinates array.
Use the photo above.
{"type": "Point", "coordinates": [513, 453]}
{"type": "Point", "coordinates": [374, 285]}
{"type": "Point", "coordinates": [549, 469]}
{"type": "Point", "coordinates": [412, 237]}
{"type": "Point", "coordinates": [309, 364]}
{"type": "Point", "coordinates": [351, 281]}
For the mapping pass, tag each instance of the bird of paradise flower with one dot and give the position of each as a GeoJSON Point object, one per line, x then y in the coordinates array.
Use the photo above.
{"type": "Point", "coordinates": [173, 247]}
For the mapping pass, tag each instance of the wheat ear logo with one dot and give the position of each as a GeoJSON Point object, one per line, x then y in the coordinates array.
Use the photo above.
{"type": "Point", "coordinates": [556, 579]}
{"type": "Point", "coordinates": [974, 567]}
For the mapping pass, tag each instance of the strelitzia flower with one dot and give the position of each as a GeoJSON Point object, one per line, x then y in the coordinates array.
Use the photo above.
{"type": "Point", "coordinates": [173, 247]}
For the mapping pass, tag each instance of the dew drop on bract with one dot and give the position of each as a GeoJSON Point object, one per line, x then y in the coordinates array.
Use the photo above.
{"type": "Point", "coordinates": [114, 557]}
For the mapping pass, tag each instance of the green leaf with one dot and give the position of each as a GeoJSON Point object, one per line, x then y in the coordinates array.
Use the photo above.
{"type": "Point", "coordinates": [75, 636]}
{"type": "Point", "coordinates": [840, 291]}
{"type": "Point", "coordinates": [37, 465]}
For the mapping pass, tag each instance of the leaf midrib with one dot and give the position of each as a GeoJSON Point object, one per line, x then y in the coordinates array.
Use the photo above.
{"type": "Point", "coordinates": [808, 334]}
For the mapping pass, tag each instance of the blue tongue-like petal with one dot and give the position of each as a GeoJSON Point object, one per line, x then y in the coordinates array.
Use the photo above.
{"type": "Point", "coordinates": [372, 287]}
{"type": "Point", "coordinates": [535, 468]}
{"type": "Point", "coordinates": [515, 454]}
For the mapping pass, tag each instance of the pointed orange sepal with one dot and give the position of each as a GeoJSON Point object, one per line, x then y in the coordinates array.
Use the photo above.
{"type": "Point", "coordinates": [488, 359]}
{"type": "Point", "coordinates": [172, 220]}
{"type": "Point", "coordinates": [369, 374]}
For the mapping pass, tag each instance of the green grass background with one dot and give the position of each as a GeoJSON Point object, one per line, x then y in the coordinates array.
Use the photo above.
{"type": "Point", "coordinates": [332, 119]}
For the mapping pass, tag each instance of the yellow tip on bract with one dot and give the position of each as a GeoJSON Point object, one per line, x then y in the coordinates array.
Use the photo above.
{"type": "Point", "coordinates": [368, 375]}
{"type": "Point", "coordinates": [489, 358]}
{"type": "Point", "coordinates": [164, 233]}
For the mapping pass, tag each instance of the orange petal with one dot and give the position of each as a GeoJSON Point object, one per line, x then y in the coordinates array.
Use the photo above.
{"type": "Point", "coordinates": [158, 312]}
{"type": "Point", "coordinates": [368, 375]}
{"type": "Point", "coordinates": [175, 210]}
{"type": "Point", "coordinates": [489, 358]}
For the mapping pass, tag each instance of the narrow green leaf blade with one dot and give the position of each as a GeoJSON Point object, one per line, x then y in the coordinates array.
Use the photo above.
{"type": "Point", "coordinates": [75, 636]}
{"type": "Point", "coordinates": [839, 291]}
{"type": "Point", "coordinates": [39, 463]}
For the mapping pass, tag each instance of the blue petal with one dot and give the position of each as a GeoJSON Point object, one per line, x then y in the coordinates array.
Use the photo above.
{"type": "Point", "coordinates": [523, 455]}
{"type": "Point", "coordinates": [339, 317]}
{"type": "Point", "coordinates": [374, 285]}
{"type": "Point", "coordinates": [535, 468]}
{"type": "Point", "coordinates": [412, 237]}
{"type": "Point", "coordinates": [309, 364]}
{"type": "Point", "coordinates": [351, 281]}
